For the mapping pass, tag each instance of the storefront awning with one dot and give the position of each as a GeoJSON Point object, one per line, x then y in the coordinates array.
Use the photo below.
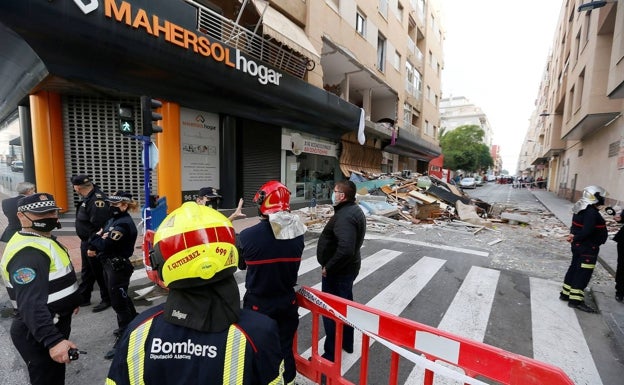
{"type": "Point", "coordinates": [15, 141]}
{"type": "Point", "coordinates": [280, 28]}
{"type": "Point", "coordinates": [408, 144]}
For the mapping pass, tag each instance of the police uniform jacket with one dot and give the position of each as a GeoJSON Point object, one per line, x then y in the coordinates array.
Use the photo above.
{"type": "Point", "coordinates": [41, 283]}
{"type": "Point", "coordinates": [122, 235]}
{"type": "Point", "coordinates": [92, 214]}
{"type": "Point", "coordinates": [154, 351]}
{"type": "Point", "coordinates": [338, 248]}
{"type": "Point", "coordinates": [272, 264]}
{"type": "Point", "coordinates": [589, 227]}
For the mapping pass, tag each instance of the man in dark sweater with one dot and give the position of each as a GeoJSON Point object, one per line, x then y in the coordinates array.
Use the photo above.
{"type": "Point", "coordinates": [338, 252]}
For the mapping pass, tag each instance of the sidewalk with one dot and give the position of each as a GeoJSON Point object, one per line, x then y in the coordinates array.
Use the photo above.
{"type": "Point", "coordinates": [604, 294]}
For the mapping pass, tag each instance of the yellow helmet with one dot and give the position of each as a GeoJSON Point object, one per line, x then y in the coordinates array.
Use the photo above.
{"type": "Point", "coordinates": [192, 245]}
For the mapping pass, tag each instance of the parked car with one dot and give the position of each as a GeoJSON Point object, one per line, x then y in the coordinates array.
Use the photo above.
{"type": "Point", "coordinates": [468, 182]}
{"type": "Point", "coordinates": [479, 180]}
{"type": "Point", "coordinates": [17, 165]}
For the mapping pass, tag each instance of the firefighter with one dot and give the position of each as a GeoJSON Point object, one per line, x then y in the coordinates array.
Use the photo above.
{"type": "Point", "coordinates": [271, 252]}
{"type": "Point", "coordinates": [42, 286]}
{"type": "Point", "coordinates": [114, 245]}
{"type": "Point", "coordinates": [199, 335]}
{"type": "Point", "coordinates": [587, 232]}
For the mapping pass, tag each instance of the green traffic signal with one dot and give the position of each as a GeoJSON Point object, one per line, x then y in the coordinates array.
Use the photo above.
{"type": "Point", "coordinates": [126, 119]}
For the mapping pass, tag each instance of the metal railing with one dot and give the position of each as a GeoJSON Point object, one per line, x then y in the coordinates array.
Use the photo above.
{"type": "Point", "coordinates": [234, 35]}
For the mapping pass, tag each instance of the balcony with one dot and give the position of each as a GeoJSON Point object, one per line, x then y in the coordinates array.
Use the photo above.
{"type": "Point", "coordinates": [253, 45]}
{"type": "Point", "coordinates": [414, 55]}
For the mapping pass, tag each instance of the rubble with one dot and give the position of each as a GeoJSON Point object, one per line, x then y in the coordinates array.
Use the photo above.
{"type": "Point", "coordinates": [404, 202]}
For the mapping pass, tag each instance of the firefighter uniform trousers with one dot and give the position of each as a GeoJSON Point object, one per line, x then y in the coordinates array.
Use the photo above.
{"type": "Point", "coordinates": [577, 277]}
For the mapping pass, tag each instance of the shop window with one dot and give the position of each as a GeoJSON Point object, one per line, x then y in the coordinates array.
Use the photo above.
{"type": "Point", "coordinates": [312, 176]}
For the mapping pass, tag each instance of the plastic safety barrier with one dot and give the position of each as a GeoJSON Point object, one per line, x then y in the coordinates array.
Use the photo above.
{"type": "Point", "coordinates": [440, 354]}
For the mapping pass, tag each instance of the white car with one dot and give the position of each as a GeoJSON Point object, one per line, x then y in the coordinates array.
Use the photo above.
{"type": "Point", "coordinates": [468, 182]}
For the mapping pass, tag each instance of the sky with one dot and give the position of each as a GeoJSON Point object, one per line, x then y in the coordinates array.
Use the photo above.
{"type": "Point", "coordinates": [495, 53]}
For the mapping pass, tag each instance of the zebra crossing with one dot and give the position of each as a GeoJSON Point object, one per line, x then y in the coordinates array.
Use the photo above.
{"type": "Point", "coordinates": [416, 286]}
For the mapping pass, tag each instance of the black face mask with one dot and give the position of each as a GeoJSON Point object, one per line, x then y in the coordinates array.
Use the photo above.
{"type": "Point", "coordinates": [44, 225]}
{"type": "Point", "coordinates": [212, 203]}
{"type": "Point", "coordinates": [114, 211]}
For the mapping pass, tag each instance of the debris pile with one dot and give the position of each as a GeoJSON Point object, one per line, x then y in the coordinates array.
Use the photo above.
{"type": "Point", "coordinates": [400, 200]}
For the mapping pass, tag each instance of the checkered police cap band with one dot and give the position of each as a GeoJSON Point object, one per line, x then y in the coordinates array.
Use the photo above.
{"type": "Point", "coordinates": [118, 198]}
{"type": "Point", "coordinates": [37, 203]}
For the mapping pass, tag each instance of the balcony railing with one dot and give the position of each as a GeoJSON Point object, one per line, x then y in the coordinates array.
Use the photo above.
{"type": "Point", "coordinates": [257, 47]}
{"type": "Point", "coordinates": [413, 49]}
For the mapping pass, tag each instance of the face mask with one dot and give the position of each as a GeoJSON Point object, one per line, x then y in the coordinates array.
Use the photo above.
{"type": "Point", "coordinates": [212, 204]}
{"type": "Point", "coordinates": [333, 197]}
{"type": "Point", "coordinates": [114, 211]}
{"type": "Point", "coordinates": [45, 225]}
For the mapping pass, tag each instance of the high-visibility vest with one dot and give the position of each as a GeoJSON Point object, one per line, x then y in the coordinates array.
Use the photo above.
{"type": "Point", "coordinates": [62, 279]}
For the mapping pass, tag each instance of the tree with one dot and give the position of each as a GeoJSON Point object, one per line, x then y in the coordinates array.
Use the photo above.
{"type": "Point", "coordinates": [463, 148]}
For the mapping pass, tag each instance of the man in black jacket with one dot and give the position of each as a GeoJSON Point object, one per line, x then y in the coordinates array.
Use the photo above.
{"type": "Point", "coordinates": [9, 208]}
{"type": "Point", "coordinates": [338, 253]}
{"type": "Point", "coordinates": [587, 233]}
{"type": "Point", "coordinates": [91, 215]}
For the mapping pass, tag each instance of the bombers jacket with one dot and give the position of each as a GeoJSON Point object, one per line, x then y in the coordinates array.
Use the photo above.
{"type": "Point", "coordinates": [154, 351]}
{"type": "Point", "coordinates": [272, 264]}
{"type": "Point", "coordinates": [338, 248]}
{"type": "Point", "coordinates": [589, 227]}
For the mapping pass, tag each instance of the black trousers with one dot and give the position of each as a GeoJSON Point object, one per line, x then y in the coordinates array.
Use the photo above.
{"type": "Point", "coordinates": [285, 311]}
{"type": "Point", "coordinates": [117, 282]}
{"type": "Point", "coordinates": [42, 369]}
{"type": "Point", "coordinates": [619, 273]}
{"type": "Point", "coordinates": [92, 272]}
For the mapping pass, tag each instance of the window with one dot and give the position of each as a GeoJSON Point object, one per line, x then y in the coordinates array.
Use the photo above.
{"type": "Point", "coordinates": [397, 60]}
{"type": "Point", "coordinates": [614, 149]}
{"type": "Point", "coordinates": [383, 8]}
{"type": "Point", "coordinates": [381, 52]}
{"type": "Point", "coordinates": [360, 23]}
{"type": "Point", "coordinates": [399, 12]}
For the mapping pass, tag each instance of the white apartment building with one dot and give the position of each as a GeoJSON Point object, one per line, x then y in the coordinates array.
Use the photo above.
{"type": "Point", "coordinates": [576, 134]}
{"type": "Point", "coordinates": [459, 111]}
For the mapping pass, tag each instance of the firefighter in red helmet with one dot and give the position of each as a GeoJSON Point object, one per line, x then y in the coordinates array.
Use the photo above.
{"type": "Point", "coordinates": [200, 330]}
{"type": "Point", "coordinates": [271, 252]}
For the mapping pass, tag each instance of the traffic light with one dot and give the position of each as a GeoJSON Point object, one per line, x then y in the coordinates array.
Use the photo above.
{"type": "Point", "coordinates": [126, 119]}
{"type": "Point", "coordinates": [148, 107]}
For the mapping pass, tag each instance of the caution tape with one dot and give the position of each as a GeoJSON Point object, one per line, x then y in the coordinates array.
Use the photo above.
{"type": "Point", "coordinates": [413, 357]}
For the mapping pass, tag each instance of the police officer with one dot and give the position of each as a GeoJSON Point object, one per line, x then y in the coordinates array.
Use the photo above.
{"type": "Point", "coordinates": [42, 286]}
{"type": "Point", "coordinates": [199, 335]}
{"type": "Point", "coordinates": [91, 215]}
{"type": "Point", "coordinates": [113, 246]}
{"type": "Point", "coordinates": [208, 196]}
{"type": "Point", "coordinates": [587, 232]}
{"type": "Point", "coordinates": [271, 252]}
{"type": "Point", "coordinates": [9, 208]}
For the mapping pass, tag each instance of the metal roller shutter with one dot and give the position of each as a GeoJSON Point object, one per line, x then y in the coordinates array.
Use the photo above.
{"type": "Point", "coordinates": [94, 146]}
{"type": "Point", "coordinates": [261, 157]}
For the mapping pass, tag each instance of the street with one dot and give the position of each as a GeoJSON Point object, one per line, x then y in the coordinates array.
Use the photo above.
{"type": "Point", "coordinates": [502, 293]}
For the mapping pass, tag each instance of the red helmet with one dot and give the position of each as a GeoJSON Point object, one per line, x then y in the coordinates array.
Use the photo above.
{"type": "Point", "coordinates": [272, 198]}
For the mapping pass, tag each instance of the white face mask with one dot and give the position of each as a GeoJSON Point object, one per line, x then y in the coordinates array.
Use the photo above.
{"type": "Point", "coordinates": [333, 198]}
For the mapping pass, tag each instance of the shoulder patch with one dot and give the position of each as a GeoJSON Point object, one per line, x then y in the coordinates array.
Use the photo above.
{"type": "Point", "coordinates": [99, 204]}
{"type": "Point", "coordinates": [115, 235]}
{"type": "Point", "coordinates": [24, 275]}
{"type": "Point", "coordinates": [99, 195]}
